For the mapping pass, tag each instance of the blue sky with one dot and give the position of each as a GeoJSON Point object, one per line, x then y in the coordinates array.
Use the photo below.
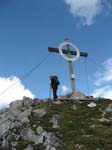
{"type": "Point", "coordinates": [28, 28]}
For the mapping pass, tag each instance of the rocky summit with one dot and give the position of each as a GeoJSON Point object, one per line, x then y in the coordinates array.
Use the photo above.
{"type": "Point", "coordinates": [67, 123]}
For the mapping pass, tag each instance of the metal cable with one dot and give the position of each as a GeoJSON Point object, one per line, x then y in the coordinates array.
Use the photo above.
{"type": "Point", "coordinates": [27, 74]}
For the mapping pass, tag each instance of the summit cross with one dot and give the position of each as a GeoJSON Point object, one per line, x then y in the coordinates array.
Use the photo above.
{"type": "Point", "coordinates": [67, 54]}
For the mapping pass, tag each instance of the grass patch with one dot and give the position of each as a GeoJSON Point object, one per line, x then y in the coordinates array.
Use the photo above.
{"type": "Point", "coordinates": [76, 125]}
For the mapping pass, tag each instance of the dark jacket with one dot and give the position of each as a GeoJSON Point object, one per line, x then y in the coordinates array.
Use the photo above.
{"type": "Point", "coordinates": [54, 85]}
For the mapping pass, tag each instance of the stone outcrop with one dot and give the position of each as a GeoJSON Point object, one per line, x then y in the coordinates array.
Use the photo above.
{"type": "Point", "coordinates": [77, 96]}
{"type": "Point", "coordinates": [15, 125]}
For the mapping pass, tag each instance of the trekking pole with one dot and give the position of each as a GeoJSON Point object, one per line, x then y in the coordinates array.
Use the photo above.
{"type": "Point", "coordinates": [49, 91]}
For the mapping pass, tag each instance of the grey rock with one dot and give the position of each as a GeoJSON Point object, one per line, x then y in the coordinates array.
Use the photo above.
{"type": "Point", "coordinates": [93, 126]}
{"type": "Point", "coordinates": [28, 134]}
{"type": "Point", "coordinates": [39, 130]}
{"type": "Point", "coordinates": [25, 102]}
{"type": "Point", "coordinates": [53, 148]}
{"type": "Point", "coordinates": [23, 116]}
{"type": "Point", "coordinates": [5, 145]}
{"type": "Point", "coordinates": [91, 105]}
{"type": "Point", "coordinates": [16, 104]}
{"type": "Point", "coordinates": [51, 140]}
{"type": "Point", "coordinates": [5, 125]}
{"type": "Point", "coordinates": [55, 118]}
{"type": "Point", "coordinates": [78, 146]}
{"type": "Point", "coordinates": [104, 120]}
{"type": "Point", "coordinates": [14, 113]}
{"type": "Point", "coordinates": [57, 102]}
{"type": "Point", "coordinates": [103, 114]}
{"type": "Point", "coordinates": [8, 121]}
{"type": "Point", "coordinates": [87, 136]}
{"type": "Point", "coordinates": [109, 108]}
{"type": "Point", "coordinates": [28, 102]}
{"type": "Point", "coordinates": [15, 125]}
{"type": "Point", "coordinates": [14, 144]}
{"type": "Point", "coordinates": [78, 96]}
{"type": "Point", "coordinates": [29, 148]}
{"type": "Point", "coordinates": [25, 120]}
{"type": "Point", "coordinates": [39, 112]}
{"type": "Point", "coordinates": [40, 139]}
{"type": "Point", "coordinates": [73, 107]}
{"type": "Point", "coordinates": [12, 136]}
{"type": "Point", "coordinates": [48, 147]}
{"type": "Point", "coordinates": [4, 110]}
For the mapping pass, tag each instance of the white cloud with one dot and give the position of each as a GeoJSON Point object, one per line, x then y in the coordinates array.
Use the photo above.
{"type": "Point", "coordinates": [106, 74]}
{"type": "Point", "coordinates": [12, 89]}
{"type": "Point", "coordinates": [105, 92]}
{"type": "Point", "coordinates": [86, 10]}
{"type": "Point", "coordinates": [103, 80]}
{"type": "Point", "coordinates": [65, 89]}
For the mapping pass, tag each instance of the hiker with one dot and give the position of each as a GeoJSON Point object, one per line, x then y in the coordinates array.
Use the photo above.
{"type": "Point", "coordinates": [54, 85]}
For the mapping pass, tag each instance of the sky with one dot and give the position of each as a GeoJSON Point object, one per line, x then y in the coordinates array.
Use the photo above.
{"type": "Point", "coordinates": [29, 27]}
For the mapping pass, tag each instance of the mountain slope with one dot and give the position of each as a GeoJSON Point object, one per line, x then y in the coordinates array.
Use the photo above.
{"type": "Point", "coordinates": [56, 125]}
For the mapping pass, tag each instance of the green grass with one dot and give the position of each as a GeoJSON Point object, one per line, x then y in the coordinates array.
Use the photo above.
{"type": "Point", "coordinates": [75, 125]}
{"type": "Point", "coordinates": [23, 144]}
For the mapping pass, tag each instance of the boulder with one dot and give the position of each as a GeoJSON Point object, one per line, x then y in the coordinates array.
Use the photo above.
{"type": "Point", "coordinates": [51, 140]}
{"type": "Point", "coordinates": [29, 135]}
{"type": "Point", "coordinates": [91, 104]}
{"type": "Point", "coordinates": [25, 102]}
{"type": "Point", "coordinates": [39, 112]}
{"type": "Point", "coordinates": [73, 107]}
{"type": "Point", "coordinates": [39, 130]}
{"type": "Point", "coordinates": [16, 104]}
{"type": "Point", "coordinates": [109, 108]}
{"type": "Point", "coordinates": [23, 116]}
{"type": "Point", "coordinates": [78, 96]}
{"type": "Point", "coordinates": [29, 147]}
{"type": "Point", "coordinates": [55, 118]}
{"type": "Point", "coordinates": [28, 102]}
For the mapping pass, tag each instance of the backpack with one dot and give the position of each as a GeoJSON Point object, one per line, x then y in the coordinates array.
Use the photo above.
{"type": "Point", "coordinates": [56, 80]}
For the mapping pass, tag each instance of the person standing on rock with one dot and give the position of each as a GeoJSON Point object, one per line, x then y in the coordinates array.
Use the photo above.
{"type": "Point", "coordinates": [54, 85]}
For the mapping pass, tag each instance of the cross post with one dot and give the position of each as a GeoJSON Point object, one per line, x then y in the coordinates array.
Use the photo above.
{"type": "Point", "coordinates": [69, 52]}
{"type": "Point", "coordinates": [72, 76]}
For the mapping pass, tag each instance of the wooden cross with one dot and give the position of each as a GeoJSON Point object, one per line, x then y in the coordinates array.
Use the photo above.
{"type": "Point", "coordinates": [69, 53]}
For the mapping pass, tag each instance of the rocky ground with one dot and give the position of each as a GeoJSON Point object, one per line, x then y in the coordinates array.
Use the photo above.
{"type": "Point", "coordinates": [68, 123]}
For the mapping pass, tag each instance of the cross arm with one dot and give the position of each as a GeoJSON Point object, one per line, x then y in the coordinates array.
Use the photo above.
{"type": "Point", "coordinates": [56, 50]}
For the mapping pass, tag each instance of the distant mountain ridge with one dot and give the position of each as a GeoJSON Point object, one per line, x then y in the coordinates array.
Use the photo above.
{"type": "Point", "coordinates": [67, 123]}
